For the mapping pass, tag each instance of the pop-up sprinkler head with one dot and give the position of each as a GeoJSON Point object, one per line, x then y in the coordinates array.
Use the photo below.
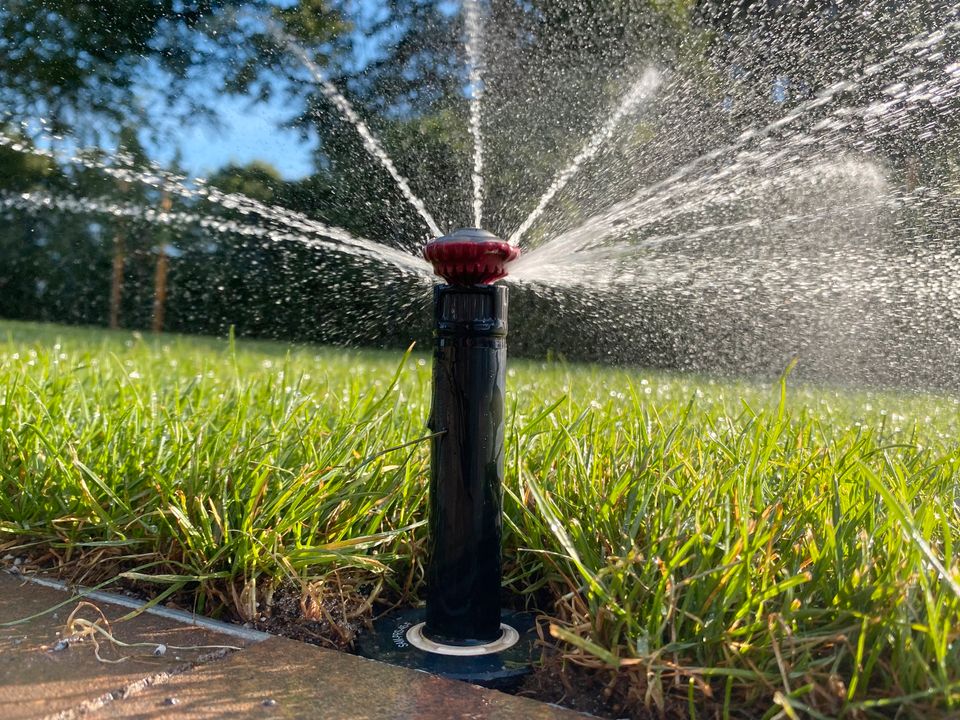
{"type": "Point", "coordinates": [462, 632]}
{"type": "Point", "coordinates": [470, 256]}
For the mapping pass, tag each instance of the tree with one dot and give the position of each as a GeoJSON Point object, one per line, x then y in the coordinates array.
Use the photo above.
{"type": "Point", "coordinates": [70, 74]}
{"type": "Point", "coordinates": [77, 64]}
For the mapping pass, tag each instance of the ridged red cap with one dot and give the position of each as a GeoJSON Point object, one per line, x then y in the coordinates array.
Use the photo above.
{"type": "Point", "coordinates": [470, 257]}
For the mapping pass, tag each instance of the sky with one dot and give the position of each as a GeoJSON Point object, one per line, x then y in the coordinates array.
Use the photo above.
{"type": "Point", "coordinates": [252, 129]}
{"type": "Point", "coordinates": [248, 130]}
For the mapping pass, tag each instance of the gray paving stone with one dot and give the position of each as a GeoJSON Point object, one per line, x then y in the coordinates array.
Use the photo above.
{"type": "Point", "coordinates": [275, 678]}
{"type": "Point", "coordinates": [282, 678]}
{"type": "Point", "coordinates": [38, 680]}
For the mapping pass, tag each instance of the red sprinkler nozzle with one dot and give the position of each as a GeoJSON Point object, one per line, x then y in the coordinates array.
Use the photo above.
{"type": "Point", "coordinates": [470, 257]}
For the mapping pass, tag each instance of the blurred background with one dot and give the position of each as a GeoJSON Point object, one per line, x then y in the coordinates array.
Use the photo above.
{"type": "Point", "coordinates": [787, 187]}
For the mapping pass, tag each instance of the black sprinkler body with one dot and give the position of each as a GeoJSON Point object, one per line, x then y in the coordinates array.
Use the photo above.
{"type": "Point", "coordinates": [463, 633]}
{"type": "Point", "coordinates": [469, 378]}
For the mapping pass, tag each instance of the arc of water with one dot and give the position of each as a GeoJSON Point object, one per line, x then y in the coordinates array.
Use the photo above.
{"type": "Point", "coordinates": [356, 247]}
{"type": "Point", "coordinates": [474, 48]}
{"type": "Point", "coordinates": [161, 179]}
{"type": "Point", "coordinates": [627, 215]}
{"type": "Point", "coordinates": [569, 270]}
{"type": "Point", "coordinates": [370, 143]}
{"type": "Point", "coordinates": [688, 199]}
{"type": "Point", "coordinates": [641, 90]}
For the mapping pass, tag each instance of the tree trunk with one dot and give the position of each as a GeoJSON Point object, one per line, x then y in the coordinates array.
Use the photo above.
{"type": "Point", "coordinates": [160, 290]}
{"type": "Point", "coordinates": [116, 283]}
{"type": "Point", "coordinates": [912, 173]}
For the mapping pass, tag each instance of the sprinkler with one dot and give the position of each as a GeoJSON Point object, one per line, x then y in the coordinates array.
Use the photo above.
{"type": "Point", "coordinates": [463, 633]}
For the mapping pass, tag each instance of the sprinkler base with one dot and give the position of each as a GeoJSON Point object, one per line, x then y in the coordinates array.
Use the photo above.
{"type": "Point", "coordinates": [398, 639]}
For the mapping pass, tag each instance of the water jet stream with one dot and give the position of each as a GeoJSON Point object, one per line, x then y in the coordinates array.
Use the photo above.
{"type": "Point", "coordinates": [701, 182]}
{"type": "Point", "coordinates": [160, 179]}
{"type": "Point", "coordinates": [597, 267]}
{"type": "Point", "coordinates": [359, 248]}
{"type": "Point", "coordinates": [475, 72]}
{"type": "Point", "coordinates": [641, 90]}
{"type": "Point", "coordinates": [370, 143]}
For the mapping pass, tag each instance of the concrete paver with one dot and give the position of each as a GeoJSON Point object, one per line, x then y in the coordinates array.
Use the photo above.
{"type": "Point", "coordinates": [281, 678]}
{"type": "Point", "coordinates": [272, 678]}
{"type": "Point", "coordinates": [37, 680]}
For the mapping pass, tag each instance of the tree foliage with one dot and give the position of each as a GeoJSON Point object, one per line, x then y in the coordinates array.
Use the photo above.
{"type": "Point", "coordinates": [78, 64]}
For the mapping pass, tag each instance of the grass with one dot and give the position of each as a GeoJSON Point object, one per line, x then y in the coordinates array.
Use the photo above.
{"type": "Point", "coordinates": [712, 548]}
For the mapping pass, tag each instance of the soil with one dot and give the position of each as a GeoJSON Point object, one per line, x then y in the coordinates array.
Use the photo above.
{"type": "Point", "coordinates": [327, 621]}
{"type": "Point", "coordinates": [573, 688]}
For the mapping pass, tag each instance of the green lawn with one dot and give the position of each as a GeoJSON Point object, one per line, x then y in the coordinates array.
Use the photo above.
{"type": "Point", "coordinates": [736, 548]}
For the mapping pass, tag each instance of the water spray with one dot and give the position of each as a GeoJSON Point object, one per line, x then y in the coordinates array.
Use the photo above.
{"type": "Point", "coordinates": [462, 632]}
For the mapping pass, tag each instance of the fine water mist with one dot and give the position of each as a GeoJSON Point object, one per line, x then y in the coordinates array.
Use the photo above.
{"type": "Point", "coordinates": [710, 191]}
